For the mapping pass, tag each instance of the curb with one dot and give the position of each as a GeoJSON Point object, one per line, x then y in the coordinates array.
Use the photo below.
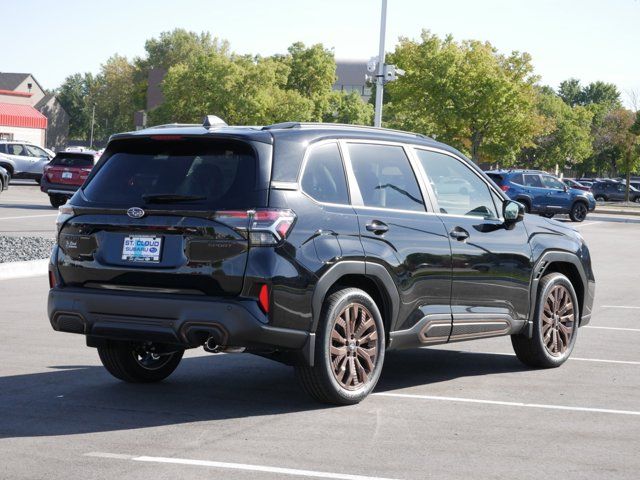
{"type": "Point", "coordinates": [635, 213]}
{"type": "Point", "coordinates": [30, 268]}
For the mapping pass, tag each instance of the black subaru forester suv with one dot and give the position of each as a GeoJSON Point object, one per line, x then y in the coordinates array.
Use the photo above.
{"type": "Point", "coordinates": [321, 246]}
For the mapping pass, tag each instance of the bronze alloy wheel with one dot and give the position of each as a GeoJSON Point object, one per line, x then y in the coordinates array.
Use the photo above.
{"type": "Point", "coordinates": [354, 346]}
{"type": "Point", "coordinates": [558, 320]}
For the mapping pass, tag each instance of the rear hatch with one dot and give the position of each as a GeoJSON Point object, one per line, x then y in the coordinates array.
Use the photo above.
{"type": "Point", "coordinates": [166, 214]}
{"type": "Point", "coordinates": [69, 168]}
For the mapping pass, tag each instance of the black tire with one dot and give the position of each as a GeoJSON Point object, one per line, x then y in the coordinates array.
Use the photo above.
{"type": "Point", "coordinates": [601, 198]}
{"type": "Point", "coordinates": [57, 200]}
{"type": "Point", "coordinates": [121, 359]}
{"type": "Point", "coordinates": [527, 206]}
{"type": "Point", "coordinates": [533, 351]}
{"type": "Point", "coordinates": [320, 381]}
{"type": "Point", "coordinates": [547, 215]}
{"type": "Point", "coordinates": [637, 199]}
{"type": "Point", "coordinates": [578, 212]}
{"type": "Point", "coordinates": [38, 179]}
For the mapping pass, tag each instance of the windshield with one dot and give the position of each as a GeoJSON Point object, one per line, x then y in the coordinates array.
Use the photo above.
{"type": "Point", "coordinates": [201, 173]}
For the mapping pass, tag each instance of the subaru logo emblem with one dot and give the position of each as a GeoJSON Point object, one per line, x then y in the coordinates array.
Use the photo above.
{"type": "Point", "coordinates": [135, 212]}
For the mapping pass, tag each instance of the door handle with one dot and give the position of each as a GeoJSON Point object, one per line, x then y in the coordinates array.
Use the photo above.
{"type": "Point", "coordinates": [377, 227]}
{"type": "Point", "coordinates": [459, 234]}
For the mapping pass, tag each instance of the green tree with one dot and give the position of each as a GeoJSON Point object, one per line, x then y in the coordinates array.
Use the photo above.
{"type": "Point", "coordinates": [570, 92]}
{"type": "Point", "coordinates": [74, 96]}
{"type": "Point", "coordinates": [176, 46]}
{"type": "Point", "coordinates": [566, 136]}
{"type": "Point", "coordinates": [116, 96]}
{"type": "Point", "coordinates": [465, 93]}
{"type": "Point", "coordinates": [348, 108]}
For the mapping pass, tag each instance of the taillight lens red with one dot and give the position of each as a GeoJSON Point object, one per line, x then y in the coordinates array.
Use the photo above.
{"type": "Point", "coordinates": [263, 298]}
{"type": "Point", "coordinates": [52, 279]}
{"type": "Point", "coordinates": [504, 188]}
{"type": "Point", "coordinates": [266, 226]}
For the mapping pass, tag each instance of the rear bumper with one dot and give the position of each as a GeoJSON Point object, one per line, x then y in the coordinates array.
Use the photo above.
{"type": "Point", "coordinates": [57, 188]}
{"type": "Point", "coordinates": [187, 322]}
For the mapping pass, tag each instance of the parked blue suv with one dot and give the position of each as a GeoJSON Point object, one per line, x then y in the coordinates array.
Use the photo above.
{"type": "Point", "coordinates": [542, 193]}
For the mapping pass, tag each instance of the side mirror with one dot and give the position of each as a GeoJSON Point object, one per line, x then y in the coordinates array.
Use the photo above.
{"type": "Point", "coordinates": [512, 212]}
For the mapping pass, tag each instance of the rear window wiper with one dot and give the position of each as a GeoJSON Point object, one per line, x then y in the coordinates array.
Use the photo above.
{"type": "Point", "coordinates": [170, 198]}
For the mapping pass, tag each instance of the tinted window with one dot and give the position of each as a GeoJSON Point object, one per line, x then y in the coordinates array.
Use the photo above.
{"type": "Point", "coordinates": [459, 191]}
{"type": "Point", "coordinates": [3, 148]}
{"type": "Point", "coordinates": [223, 173]}
{"type": "Point", "coordinates": [16, 149]}
{"type": "Point", "coordinates": [66, 159]}
{"type": "Point", "coordinates": [517, 178]}
{"type": "Point", "coordinates": [496, 178]}
{"type": "Point", "coordinates": [551, 182]}
{"type": "Point", "coordinates": [323, 177]}
{"type": "Point", "coordinates": [532, 181]}
{"type": "Point", "coordinates": [385, 177]}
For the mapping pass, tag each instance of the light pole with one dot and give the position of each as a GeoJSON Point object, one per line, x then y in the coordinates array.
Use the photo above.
{"type": "Point", "coordinates": [93, 121]}
{"type": "Point", "coordinates": [377, 121]}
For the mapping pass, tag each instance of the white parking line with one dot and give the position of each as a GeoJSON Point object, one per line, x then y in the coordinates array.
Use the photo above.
{"type": "Point", "coordinates": [621, 306]}
{"type": "Point", "coordinates": [585, 224]}
{"type": "Point", "coordinates": [29, 216]}
{"type": "Point", "coordinates": [579, 359]}
{"type": "Point", "coordinates": [236, 466]}
{"type": "Point", "coordinates": [614, 328]}
{"type": "Point", "coordinates": [508, 404]}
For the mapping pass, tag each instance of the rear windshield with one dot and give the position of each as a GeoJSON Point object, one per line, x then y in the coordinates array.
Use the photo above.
{"type": "Point", "coordinates": [215, 174]}
{"type": "Point", "coordinates": [72, 160]}
{"type": "Point", "coordinates": [495, 177]}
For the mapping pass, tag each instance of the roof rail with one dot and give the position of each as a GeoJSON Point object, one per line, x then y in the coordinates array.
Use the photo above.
{"type": "Point", "coordinates": [286, 125]}
{"type": "Point", "coordinates": [173, 125]}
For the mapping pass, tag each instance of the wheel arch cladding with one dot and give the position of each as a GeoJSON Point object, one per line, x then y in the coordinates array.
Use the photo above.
{"type": "Point", "coordinates": [377, 284]}
{"type": "Point", "coordinates": [566, 264]}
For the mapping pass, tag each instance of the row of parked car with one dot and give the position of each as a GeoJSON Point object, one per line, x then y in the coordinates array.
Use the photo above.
{"type": "Point", "coordinates": [59, 174]}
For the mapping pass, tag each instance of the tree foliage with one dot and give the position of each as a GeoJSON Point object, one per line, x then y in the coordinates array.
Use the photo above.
{"type": "Point", "coordinates": [74, 96]}
{"type": "Point", "coordinates": [466, 94]}
{"type": "Point", "coordinates": [565, 139]}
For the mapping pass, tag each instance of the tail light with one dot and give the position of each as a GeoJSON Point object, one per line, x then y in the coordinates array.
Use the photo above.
{"type": "Point", "coordinates": [263, 298]}
{"type": "Point", "coordinates": [84, 173]}
{"type": "Point", "coordinates": [65, 212]}
{"type": "Point", "coordinates": [504, 188]}
{"type": "Point", "coordinates": [52, 279]}
{"type": "Point", "coordinates": [265, 226]}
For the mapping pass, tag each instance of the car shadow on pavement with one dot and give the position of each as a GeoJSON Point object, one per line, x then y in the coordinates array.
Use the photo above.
{"type": "Point", "coordinates": [26, 206]}
{"type": "Point", "coordinates": [76, 399]}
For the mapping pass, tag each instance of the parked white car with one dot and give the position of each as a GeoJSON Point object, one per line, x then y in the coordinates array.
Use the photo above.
{"type": "Point", "coordinates": [23, 159]}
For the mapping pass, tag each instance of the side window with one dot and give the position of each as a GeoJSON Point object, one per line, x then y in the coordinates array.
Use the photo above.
{"type": "Point", "coordinates": [532, 181]}
{"type": "Point", "coordinates": [458, 189]}
{"type": "Point", "coordinates": [3, 147]}
{"type": "Point", "coordinates": [16, 149]}
{"type": "Point", "coordinates": [323, 178]}
{"type": "Point", "coordinates": [551, 182]}
{"type": "Point", "coordinates": [385, 177]}
{"type": "Point", "coordinates": [517, 178]}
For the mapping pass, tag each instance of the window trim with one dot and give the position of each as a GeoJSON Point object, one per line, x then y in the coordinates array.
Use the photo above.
{"type": "Point", "coordinates": [432, 194]}
{"type": "Point", "coordinates": [353, 182]}
{"type": "Point", "coordinates": [303, 169]}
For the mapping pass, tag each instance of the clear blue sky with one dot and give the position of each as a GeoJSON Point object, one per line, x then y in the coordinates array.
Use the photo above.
{"type": "Point", "coordinates": [587, 39]}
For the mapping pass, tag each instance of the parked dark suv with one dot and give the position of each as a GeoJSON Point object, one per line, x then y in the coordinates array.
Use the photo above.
{"type": "Point", "coordinates": [321, 246]}
{"type": "Point", "coordinates": [612, 191]}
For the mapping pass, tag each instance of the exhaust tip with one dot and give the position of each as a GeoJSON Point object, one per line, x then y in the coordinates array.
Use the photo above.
{"type": "Point", "coordinates": [211, 345]}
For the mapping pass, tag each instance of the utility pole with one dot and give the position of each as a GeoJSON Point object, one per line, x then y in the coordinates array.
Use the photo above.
{"type": "Point", "coordinates": [93, 121]}
{"type": "Point", "coordinates": [377, 122]}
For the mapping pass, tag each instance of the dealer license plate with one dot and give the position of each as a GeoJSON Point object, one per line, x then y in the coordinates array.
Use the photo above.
{"type": "Point", "coordinates": [142, 249]}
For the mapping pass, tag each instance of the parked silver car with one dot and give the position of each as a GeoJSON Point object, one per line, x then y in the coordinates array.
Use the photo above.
{"type": "Point", "coordinates": [23, 159]}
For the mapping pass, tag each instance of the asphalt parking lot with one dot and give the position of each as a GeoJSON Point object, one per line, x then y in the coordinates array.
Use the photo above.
{"type": "Point", "coordinates": [466, 410]}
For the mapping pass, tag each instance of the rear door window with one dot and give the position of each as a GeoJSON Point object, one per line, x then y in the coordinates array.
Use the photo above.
{"type": "Point", "coordinates": [196, 173]}
{"type": "Point", "coordinates": [532, 181]}
{"type": "Point", "coordinates": [72, 160]}
{"type": "Point", "coordinates": [385, 177]}
{"type": "Point", "coordinates": [323, 178]}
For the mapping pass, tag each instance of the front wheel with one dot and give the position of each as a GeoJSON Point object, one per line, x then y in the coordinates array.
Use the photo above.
{"type": "Point", "coordinates": [547, 215]}
{"type": "Point", "coordinates": [136, 363]}
{"type": "Point", "coordinates": [578, 212]}
{"type": "Point", "coordinates": [555, 325]}
{"type": "Point", "coordinates": [349, 352]}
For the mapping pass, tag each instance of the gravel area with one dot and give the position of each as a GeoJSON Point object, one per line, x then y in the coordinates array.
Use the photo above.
{"type": "Point", "coordinates": [16, 249]}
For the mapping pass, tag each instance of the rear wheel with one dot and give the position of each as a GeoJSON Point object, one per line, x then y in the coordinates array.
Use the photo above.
{"type": "Point", "coordinates": [38, 179]}
{"type": "Point", "coordinates": [600, 198]}
{"type": "Point", "coordinates": [136, 363]}
{"type": "Point", "coordinates": [349, 350]}
{"type": "Point", "coordinates": [555, 325]}
{"type": "Point", "coordinates": [547, 215]}
{"type": "Point", "coordinates": [57, 200]}
{"type": "Point", "coordinates": [527, 206]}
{"type": "Point", "coordinates": [578, 212]}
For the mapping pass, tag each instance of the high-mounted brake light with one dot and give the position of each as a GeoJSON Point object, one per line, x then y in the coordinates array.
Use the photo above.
{"type": "Point", "coordinates": [166, 137]}
{"type": "Point", "coordinates": [266, 226]}
{"type": "Point", "coordinates": [504, 188]}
